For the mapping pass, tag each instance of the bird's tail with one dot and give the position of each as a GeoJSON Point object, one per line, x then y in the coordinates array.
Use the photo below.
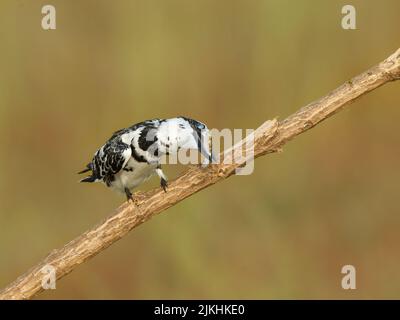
{"type": "Point", "coordinates": [92, 178]}
{"type": "Point", "coordinates": [89, 179]}
{"type": "Point", "coordinates": [89, 167]}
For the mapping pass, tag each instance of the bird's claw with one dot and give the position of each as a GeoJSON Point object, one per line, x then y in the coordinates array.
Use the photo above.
{"type": "Point", "coordinates": [129, 196]}
{"type": "Point", "coordinates": [164, 184]}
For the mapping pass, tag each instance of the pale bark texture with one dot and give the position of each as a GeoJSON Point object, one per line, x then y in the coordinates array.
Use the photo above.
{"type": "Point", "coordinates": [268, 138]}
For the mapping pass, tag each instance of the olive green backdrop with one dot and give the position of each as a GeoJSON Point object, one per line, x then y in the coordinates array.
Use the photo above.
{"type": "Point", "coordinates": [330, 199]}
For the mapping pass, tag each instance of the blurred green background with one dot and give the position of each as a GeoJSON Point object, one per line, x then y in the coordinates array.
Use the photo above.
{"type": "Point", "coordinates": [330, 199]}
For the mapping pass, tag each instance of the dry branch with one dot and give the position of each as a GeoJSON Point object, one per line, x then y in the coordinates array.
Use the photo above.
{"type": "Point", "coordinates": [269, 137]}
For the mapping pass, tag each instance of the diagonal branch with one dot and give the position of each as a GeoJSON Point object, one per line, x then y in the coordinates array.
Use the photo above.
{"type": "Point", "coordinates": [268, 138]}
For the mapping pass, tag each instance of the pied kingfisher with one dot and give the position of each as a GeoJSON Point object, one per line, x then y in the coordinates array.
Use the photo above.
{"type": "Point", "coordinates": [132, 155]}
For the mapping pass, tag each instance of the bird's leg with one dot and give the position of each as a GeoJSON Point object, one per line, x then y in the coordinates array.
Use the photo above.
{"type": "Point", "coordinates": [163, 182]}
{"type": "Point", "coordinates": [128, 195]}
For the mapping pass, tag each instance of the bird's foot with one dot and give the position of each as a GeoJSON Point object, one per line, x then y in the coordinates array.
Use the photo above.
{"type": "Point", "coordinates": [129, 196]}
{"type": "Point", "coordinates": [164, 184]}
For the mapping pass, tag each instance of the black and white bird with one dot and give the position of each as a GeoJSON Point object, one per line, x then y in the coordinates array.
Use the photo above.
{"type": "Point", "coordinates": [133, 155]}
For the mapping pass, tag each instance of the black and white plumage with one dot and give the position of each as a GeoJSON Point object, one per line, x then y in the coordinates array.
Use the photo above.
{"type": "Point", "coordinates": [132, 155]}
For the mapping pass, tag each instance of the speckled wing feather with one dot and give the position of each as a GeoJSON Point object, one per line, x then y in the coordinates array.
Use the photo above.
{"type": "Point", "coordinates": [110, 159]}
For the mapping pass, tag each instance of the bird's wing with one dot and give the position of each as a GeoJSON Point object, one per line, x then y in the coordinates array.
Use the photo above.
{"type": "Point", "coordinates": [111, 159]}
